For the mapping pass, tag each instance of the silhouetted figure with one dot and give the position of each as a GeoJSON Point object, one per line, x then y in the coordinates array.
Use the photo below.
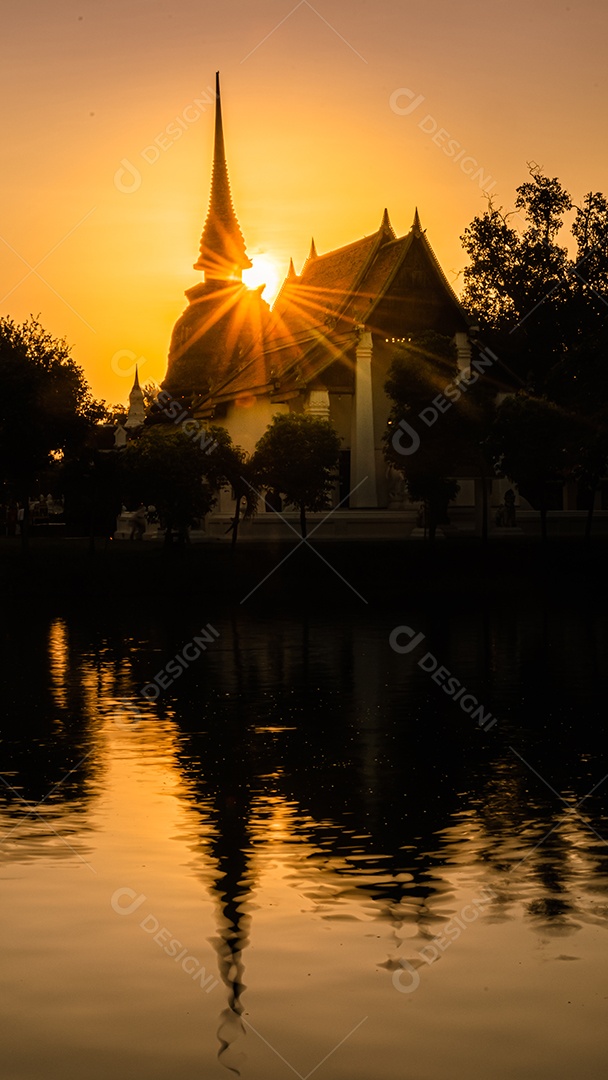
{"type": "Point", "coordinates": [140, 522]}
{"type": "Point", "coordinates": [509, 508]}
{"type": "Point", "coordinates": [273, 500]}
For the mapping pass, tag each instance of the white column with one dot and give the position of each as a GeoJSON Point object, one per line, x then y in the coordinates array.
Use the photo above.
{"type": "Point", "coordinates": [463, 351]}
{"type": "Point", "coordinates": [363, 451]}
{"type": "Point", "coordinates": [317, 404]}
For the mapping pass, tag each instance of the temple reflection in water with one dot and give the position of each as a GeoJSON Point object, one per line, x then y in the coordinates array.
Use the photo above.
{"type": "Point", "coordinates": [320, 773]}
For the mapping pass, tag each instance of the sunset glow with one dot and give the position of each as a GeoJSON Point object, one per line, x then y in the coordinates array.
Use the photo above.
{"type": "Point", "coordinates": [264, 272]}
{"type": "Point", "coordinates": [330, 114]}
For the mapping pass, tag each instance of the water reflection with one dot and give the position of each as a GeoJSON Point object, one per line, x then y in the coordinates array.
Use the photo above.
{"type": "Point", "coordinates": [231, 849]}
{"type": "Point", "coordinates": [315, 744]}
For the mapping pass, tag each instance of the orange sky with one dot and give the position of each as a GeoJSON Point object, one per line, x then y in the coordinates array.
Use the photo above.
{"type": "Point", "coordinates": [313, 143]}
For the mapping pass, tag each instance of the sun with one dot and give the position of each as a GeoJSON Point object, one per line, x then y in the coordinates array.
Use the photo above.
{"type": "Point", "coordinates": [264, 271]}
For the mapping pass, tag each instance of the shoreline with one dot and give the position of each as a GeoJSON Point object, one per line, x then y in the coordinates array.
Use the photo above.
{"type": "Point", "coordinates": [320, 574]}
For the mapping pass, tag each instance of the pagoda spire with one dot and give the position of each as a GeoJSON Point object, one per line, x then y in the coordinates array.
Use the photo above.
{"type": "Point", "coordinates": [416, 226]}
{"type": "Point", "coordinates": [312, 254]}
{"type": "Point", "coordinates": [291, 273]}
{"type": "Point", "coordinates": [137, 409]}
{"type": "Point", "coordinates": [222, 252]}
{"type": "Point", "coordinates": [385, 224]}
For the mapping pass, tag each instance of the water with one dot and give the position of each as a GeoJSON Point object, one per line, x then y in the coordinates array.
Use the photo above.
{"type": "Point", "coordinates": [304, 858]}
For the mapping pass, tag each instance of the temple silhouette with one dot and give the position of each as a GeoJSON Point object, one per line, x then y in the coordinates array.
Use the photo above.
{"type": "Point", "coordinates": [326, 346]}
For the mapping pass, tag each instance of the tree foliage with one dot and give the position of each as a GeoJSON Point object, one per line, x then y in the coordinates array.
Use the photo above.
{"type": "Point", "coordinates": [169, 470]}
{"type": "Point", "coordinates": [531, 444]}
{"type": "Point", "coordinates": [230, 465]}
{"type": "Point", "coordinates": [545, 310]}
{"type": "Point", "coordinates": [46, 406]}
{"type": "Point", "coordinates": [421, 369]}
{"type": "Point", "coordinates": [297, 456]}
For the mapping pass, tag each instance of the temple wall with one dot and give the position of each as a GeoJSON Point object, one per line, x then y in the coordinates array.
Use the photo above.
{"type": "Point", "coordinates": [247, 422]}
{"type": "Point", "coordinates": [340, 415]}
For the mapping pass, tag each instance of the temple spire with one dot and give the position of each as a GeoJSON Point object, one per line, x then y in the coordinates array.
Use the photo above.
{"type": "Point", "coordinates": [416, 226]}
{"type": "Point", "coordinates": [312, 254]}
{"type": "Point", "coordinates": [137, 410]}
{"type": "Point", "coordinates": [385, 224]}
{"type": "Point", "coordinates": [222, 253]}
{"type": "Point", "coordinates": [291, 273]}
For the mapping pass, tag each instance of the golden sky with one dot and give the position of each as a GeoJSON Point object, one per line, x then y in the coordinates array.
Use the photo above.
{"type": "Point", "coordinates": [332, 110]}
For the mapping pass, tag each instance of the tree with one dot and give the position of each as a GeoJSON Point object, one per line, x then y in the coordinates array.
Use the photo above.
{"type": "Point", "coordinates": [168, 469]}
{"type": "Point", "coordinates": [46, 407]}
{"type": "Point", "coordinates": [227, 464]}
{"type": "Point", "coordinates": [91, 484]}
{"type": "Point", "coordinates": [519, 285]}
{"type": "Point", "coordinates": [545, 311]}
{"type": "Point", "coordinates": [297, 456]}
{"type": "Point", "coordinates": [530, 443]}
{"type": "Point", "coordinates": [580, 379]}
{"type": "Point", "coordinates": [589, 435]}
{"type": "Point", "coordinates": [150, 392]}
{"type": "Point", "coordinates": [433, 440]}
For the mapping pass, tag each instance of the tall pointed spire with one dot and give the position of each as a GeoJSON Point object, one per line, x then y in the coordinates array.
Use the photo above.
{"type": "Point", "coordinates": [291, 273]}
{"type": "Point", "coordinates": [385, 224]}
{"type": "Point", "coordinates": [416, 226]}
{"type": "Point", "coordinates": [222, 253]}
{"type": "Point", "coordinates": [312, 254]}
{"type": "Point", "coordinates": [137, 410]}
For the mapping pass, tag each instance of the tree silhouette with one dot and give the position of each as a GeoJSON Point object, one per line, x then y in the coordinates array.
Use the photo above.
{"type": "Point", "coordinates": [531, 443]}
{"type": "Point", "coordinates": [230, 465]}
{"type": "Point", "coordinates": [421, 369]}
{"type": "Point", "coordinates": [168, 469]}
{"type": "Point", "coordinates": [297, 456]}
{"type": "Point", "coordinates": [46, 407]}
{"type": "Point", "coordinates": [545, 313]}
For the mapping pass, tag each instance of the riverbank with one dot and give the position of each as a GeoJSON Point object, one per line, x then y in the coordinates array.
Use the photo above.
{"type": "Point", "coordinates": [309, 575]}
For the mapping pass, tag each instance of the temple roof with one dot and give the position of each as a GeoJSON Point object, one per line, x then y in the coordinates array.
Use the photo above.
{"type": "Point", "coordinates": [222, 323]}
{"type": "Point", "coordinates": [222, 249]}
{"type": "Point", "coordinates": [316, 313]}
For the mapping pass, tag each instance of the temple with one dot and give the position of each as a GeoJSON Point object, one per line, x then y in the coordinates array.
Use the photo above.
{"type": "Point", "coordinates": [326, 346]}
{"type": "Point", "coordinates": [223, 320]}
{"type": "Point", "coordinates": [136, 414]}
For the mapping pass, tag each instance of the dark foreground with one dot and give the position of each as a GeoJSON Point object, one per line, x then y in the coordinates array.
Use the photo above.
{"type": "Point", "coordinates": [313, 576]}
